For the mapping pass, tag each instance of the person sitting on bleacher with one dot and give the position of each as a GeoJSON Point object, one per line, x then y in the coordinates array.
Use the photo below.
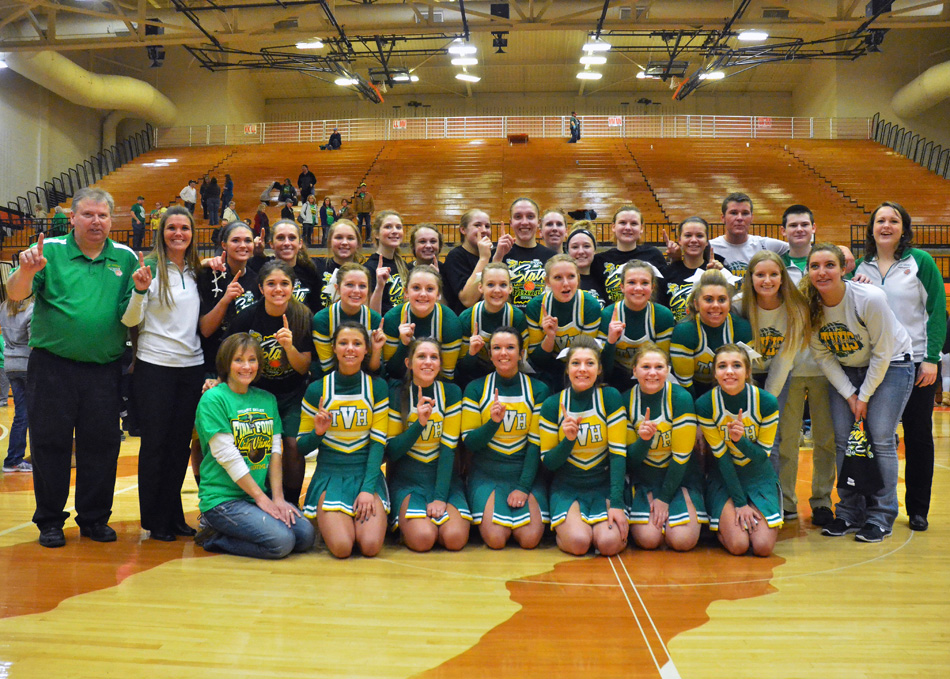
{"type": "Point", "coordinates": [334, 143]}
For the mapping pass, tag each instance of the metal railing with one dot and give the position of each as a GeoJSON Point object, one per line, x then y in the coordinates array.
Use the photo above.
{"type": "Point", "coordinates": [911, 145]}
{"type": "Point", "coordinates": [499, 127]}
{"type": "Point", "coordinates": [59, 188]}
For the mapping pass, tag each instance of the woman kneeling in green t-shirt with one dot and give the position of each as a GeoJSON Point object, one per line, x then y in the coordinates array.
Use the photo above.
{"type": "Point", "coordinates": [240, 496]}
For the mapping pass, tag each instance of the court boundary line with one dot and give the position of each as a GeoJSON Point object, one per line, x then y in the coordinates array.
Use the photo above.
{"type": "Point", "coordinates": [636, 618]}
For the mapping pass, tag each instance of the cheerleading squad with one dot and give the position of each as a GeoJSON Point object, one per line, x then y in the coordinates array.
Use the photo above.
{"type": "Point", "coordinates": [613, 396]}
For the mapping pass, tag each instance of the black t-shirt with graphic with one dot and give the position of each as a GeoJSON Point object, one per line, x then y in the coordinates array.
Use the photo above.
{"type": "Point", "coordinates": [277, 375]}
{"type": "Point", "coordinates": [211, 288]}
{"type": "Point", "coordinates": [527, 272]}
{"type": "Point", "coordinates": [394, 292]}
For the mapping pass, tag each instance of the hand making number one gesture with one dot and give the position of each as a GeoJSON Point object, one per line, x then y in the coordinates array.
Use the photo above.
{"type": "Point", "coordinates": [142, 276]}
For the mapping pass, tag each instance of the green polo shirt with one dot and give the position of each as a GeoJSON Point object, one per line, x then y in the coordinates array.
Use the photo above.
{"type": "Point", "coordinates": [138, 214]}
{"type": "Point", "coordinates": [80, 301]}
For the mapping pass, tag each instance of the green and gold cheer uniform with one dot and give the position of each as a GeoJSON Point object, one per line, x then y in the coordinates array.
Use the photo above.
{"type": "Point", "coordinates": [253, 421]}
{"type": "Point", "coordinates": [580, 316]}
{"type": "Point", "coordinates": [472, 367]}
{"type": "Point", "coordinates": [325, 324]}
{"type": "Point", "coordinates": [441, 324]}
{"type": "Point", "coordinates": [505, 454]}
{"type": "Point", "coordinates": [743, 472]}
{"type": "Point", "coordinates": [693, 346]}
{"type": "Point", "coordinates": [351, 450]}
{"type": "Point", "coordinates": [589, 470]}
{"type": "Point", "coordinates": [422, 458]}
{"type": "Point", "coordinates": [654, 323]}
{"type": "Point", "coordinates": [665, 464]}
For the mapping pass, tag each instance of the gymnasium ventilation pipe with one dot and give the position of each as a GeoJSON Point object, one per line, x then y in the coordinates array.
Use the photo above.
{"type": "Point", "coordinates": [923, 92]}
{"type": "Point", "coordinates": [110, 92]}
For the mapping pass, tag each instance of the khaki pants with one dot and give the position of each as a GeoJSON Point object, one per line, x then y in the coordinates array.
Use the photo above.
{"type": "Point", "coordinates": [791, 403]}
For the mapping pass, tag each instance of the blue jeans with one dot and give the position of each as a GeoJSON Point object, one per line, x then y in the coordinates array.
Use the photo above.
{"type": "Point", "coordinates": [880, 426]}
{"type": "Point", "coordinates": [16, 450]}
{"type": "Point", "coordinates": [245, 529]}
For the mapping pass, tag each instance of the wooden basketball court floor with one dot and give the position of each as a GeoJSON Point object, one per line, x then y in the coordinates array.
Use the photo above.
{"type": "Point", "coordinates": [820, 607]}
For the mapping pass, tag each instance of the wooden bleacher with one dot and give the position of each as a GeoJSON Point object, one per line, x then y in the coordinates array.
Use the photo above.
{"type": "Point", "coordinates": [871, 173]}
{"type": "Point", "coordinates": [669, 179]}
{"type": "Point", "coordinates": [692, 176]}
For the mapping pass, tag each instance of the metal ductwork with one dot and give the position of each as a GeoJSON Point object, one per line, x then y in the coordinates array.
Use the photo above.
{"type": "Point", "coordinates": [923, 92]}
{"type": "Point", "coordinates": [111, 92]}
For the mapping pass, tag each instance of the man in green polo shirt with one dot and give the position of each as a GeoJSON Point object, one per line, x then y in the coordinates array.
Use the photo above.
{"type": "Point", "coordinates": [138, 223]}
{"type": "Point", "coordinates": [83, 284]}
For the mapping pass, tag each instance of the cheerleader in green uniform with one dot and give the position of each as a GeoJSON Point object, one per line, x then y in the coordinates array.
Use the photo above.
{"type": "Point", "coordinates": [711, 325]}
{"type": "Point", "coordinates": [421, 315]}
{"type": "Point", "coordinates": [583, 433]}
{"type": "Point", "coordinates": [667, 503]}
{"type": "Point", "coordinates": [425, 417]}
{"type": "Point", "coordinates": [634, 320]}
{"type": "Point", "coordinates": [346, 416]}
{"type": "Point", "coordinates": [350, 296]}
{"type": "Point", "coordinates": [481, 320]}
{"type": "Point", "coordinates": [739, 422]}
{"type": "Point", "coordinates": [557, 316]}
{"type": "Point", "coordinates": [500, 417]}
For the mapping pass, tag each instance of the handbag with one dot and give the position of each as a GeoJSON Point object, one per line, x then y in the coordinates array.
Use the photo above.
{"type": "Point", "coordinates": [859, 471]}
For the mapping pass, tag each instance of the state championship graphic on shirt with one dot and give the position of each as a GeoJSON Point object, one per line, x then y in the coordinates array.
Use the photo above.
{"type": "Point", "coordinates": [679, 294]}
{"type": "Point", "coordinates": [253, 432]}
{"type": "Point", "coordinates": [527, 280]}
{"type": "Point", "coordinates": [612, 281]}
{"type": "Point", "coordinates": [839, 339]}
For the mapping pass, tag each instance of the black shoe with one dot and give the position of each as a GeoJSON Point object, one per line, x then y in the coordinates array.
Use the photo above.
{"type": "Point", "coordinates": [871, 532]}
{"type": "Point", "coordinates": [184, 530]}
{"type": "Point", "coordinates": [161, 537]}
{"type": "Point", "coordinates": [98, 532]}
{"type": "Point", "coordinates": [822, 516]}
{"type": "Point", "coordinates": [790, 516]}
{"type": "Point", "coordinates": [52, 536]}
{"type": "Point", "coordinates": [919, 522]}
{"type": "Point", "coordinates": [839, 527]}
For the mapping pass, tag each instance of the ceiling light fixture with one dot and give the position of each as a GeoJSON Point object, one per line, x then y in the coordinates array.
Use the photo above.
{"type": "Point", "coordinates": [591, 60]}
{"type": "Point", "coordinates": [642, 75]}
{"type": "Point", "coordinates": [712, 75]}
{"type": "Point", "coordinates": [314, 44]}
{"type": "Point", "coordinates": [467, 77]}
{"type": "Point", "coordinates": [589, 75]}
{"type": "Point", "coordinates": [462, 48]}
{"type": "Point", "coordinates": [465, 61]}
{"type": "Point", "coordinates": [754, 35]}
{"type": "Point", "coordinates": [345, 82]}
{"type": "Point", "coordinates": [596, 45]}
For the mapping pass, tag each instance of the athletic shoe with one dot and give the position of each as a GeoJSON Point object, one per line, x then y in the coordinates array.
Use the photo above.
{"type": "Point", "coordinates": [839, 527]}
{"type": "Point", "coordinates": [822, 516]}
{"type": "Point", "coordinates": [790, 516]}
{"type": "Point", "coordinates": [21, 466]}
{"type": "Point", "coordinates": [52, 536]}
{"type": "Point", "coordinates": [871, 532]}
{"type": "Point", "coordinates": [919, 522]}
{"type": "Point", "coordinates": [98, 532]}
{"type": "Point", "coordinates": [204, 535]}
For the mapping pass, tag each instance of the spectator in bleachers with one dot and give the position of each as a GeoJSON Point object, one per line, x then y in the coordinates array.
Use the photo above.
{"type": "Point", "coordinates": [60, 222]}
{"type": "Point", "coordinates": [575, 129]}
{"type": "Point", "coordinates": [309, 213]}
{"type": "Point", "coordinates": [267, 195]}
{"type": "Point", "coordinates": [306, 180]}
{"type": "Point", "coordinates": [138, 223]}
{"type": "Point", "coordinates": [227, 193]}
{"type": "Point", "coordinates": [334, 142]}
{"type": "Point", "coordinates": [261, 223]}
{"type": "Point", "coordinates": [344, 212]}
{"type": "Point", "coordinates": [287, 212]}
{"type": "Point", "coordinates": [214, 202]}
{"type": "Point", "coordinates": [155, 216]}
{"type": "Point", "coordinates": [39, 218]}
{"type": "Point", "coordinates": [230, 214]}
{"type": "Point", "coordinates": [288, 192]}
{"type": "Point", "coordinates": [364, 206]}
{"type": "Point", "coordinates": [189, 195]}
{"type": "Point", "coordinates": [15, 320]}
{"type": "Point", "coordinates": [327, 217]}
{"type": "Point", "coordinates": [203, 196]}
{"type": "Point", "coordinates": [82, 284]}
{"type": "Point", "coordinates": [463, 265]}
